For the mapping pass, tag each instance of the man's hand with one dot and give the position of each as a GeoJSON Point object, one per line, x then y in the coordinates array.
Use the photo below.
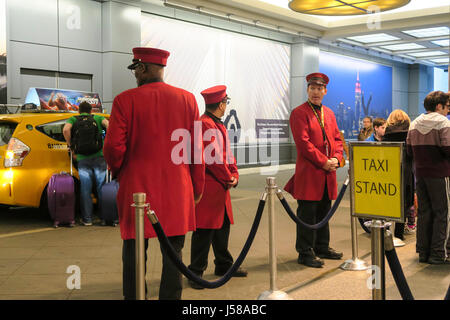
{"type": "Point", "coordinates": [233, 182]}
{"type": "Point", "coordinates": [331, 165]}
{"type": "Point", "coordinates": [198, 198]}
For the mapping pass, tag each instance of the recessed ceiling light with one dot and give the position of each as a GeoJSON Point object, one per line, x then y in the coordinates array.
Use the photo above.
{"type": "Point", "coordinates": [442, 43]}
{"type": "Point", "coordinates": [440, 60]}
{"type": "Point", "coordinates": [371, 38]}
{"type": "Point", "coordinates": [403, 46]}
{"type": "Point", "coordinates": [427, 53]}
{"type": "Point", "coordinates": [428, 32]}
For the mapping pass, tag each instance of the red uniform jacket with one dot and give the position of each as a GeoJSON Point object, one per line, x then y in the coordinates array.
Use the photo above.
{"type": "Point", "coordinates": [308, 182]}
{"type": "Point", "coordinates": [220, 168]}
{"type": "Point", "coordinates": [147, 128]}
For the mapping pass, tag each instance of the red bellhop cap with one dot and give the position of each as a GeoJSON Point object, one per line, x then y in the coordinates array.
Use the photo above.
{"type": "Point", "coordinates": [317, 78]}
{"type": "Point", "coordinates": [214, 94]}
{"type": "Point", "coordinates": [149, 55]}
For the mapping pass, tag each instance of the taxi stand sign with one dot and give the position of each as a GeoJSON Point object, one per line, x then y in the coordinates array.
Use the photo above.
{"type": "Point", "coordinates": [376, 180]}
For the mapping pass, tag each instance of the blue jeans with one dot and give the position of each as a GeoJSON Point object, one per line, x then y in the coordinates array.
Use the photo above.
{"type": "Point", "coordinates": [92, 172]}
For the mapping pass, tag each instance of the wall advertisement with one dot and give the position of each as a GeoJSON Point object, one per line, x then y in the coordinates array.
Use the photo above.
{"type": "Point", "coordinates": [357, 89]}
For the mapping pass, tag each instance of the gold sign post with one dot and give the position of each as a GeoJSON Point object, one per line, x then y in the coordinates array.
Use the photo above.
{"type": "Point", "coordinates": [376, 192]}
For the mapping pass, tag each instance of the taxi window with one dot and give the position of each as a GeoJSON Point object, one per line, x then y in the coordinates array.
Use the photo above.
{"type": "Point", "coordinates": [6, 132]}
{"type": "Point", "coordinates": [53, 129]}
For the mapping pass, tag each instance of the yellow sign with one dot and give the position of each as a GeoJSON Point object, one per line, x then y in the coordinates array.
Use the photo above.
{"type": "Point", "coordinates": [377, 180]}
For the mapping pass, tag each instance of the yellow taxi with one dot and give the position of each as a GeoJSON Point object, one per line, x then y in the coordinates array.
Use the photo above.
{"type": "Point", "coordinates": [32, 149]}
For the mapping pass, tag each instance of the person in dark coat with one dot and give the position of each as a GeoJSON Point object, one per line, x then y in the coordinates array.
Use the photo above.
{"type": "Point", "coordinates": [397, 126]}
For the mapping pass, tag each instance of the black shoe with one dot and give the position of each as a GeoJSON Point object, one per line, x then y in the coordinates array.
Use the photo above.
{"type": "Point", "coordinates": [310, 261]}
{"type": "Point", "coordinates": [239, 273]}
{"type": "Point", "coordinates": [437, 260]}
{"type": "Point", "coordinates": [330, 254]}
{"type": "Point", "coordinates": [423, 257]}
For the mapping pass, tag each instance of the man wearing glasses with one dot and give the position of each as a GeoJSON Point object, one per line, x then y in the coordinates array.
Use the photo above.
{"type": "Point", "coordinates": [214, 213]}
{"type": "Point", "coordinates": [319, 152]}
{"type": "Point", "coordinates": [138, 149]}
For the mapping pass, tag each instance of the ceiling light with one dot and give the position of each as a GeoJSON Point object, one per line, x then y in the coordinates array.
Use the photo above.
{"type": "Point", "coordinates": [440, 60]}
{"type": "Point", "coordinates": [427, 54]}
{"type": "Point", "coordinates": [371, 38]}
{"type": "Point", "coordinates": [344, 8]}
{"type": "Point", "coordinates": [404, 46]}
{"type": "Point", "coordinates": [428, 32]}
{"type": "Point", "coordinates": [442, 43]}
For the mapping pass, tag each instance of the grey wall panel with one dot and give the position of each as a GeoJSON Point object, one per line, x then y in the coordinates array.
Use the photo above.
{"type": "Point", "coordinates": [86, 62]}
{"type": "Point", "coordinates": [298, 91]}
{"type": "Point", "coordinates": [124, 27]}
{"type": "Point", "coordinates": [36, 78]}
{"type": "Point", "coordinates": [33, 21]}
{"type": "Point", "coordinates": [158, 8]}
{"type": "Point", "coordinates": [192, 17]}
{"type": "Point", "coordinates": [80, 24]}
{"type": "Point", "coordinates": [31, 56]}
{"type": "Point", "coordinates": [74, 81]}
{"type": "Point", "coordinates": [400, 78]}
{"type": "Point", "coordinates": [116, 76]}
{"type": "Point", "coordinates": [226, 25]}
{"type": "Point", "coordinates": [400, 100]}
{"type": "Point", "coordinates": [305, 59]}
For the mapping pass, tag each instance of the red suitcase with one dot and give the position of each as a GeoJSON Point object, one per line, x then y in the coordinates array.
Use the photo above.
{"type": "Point", "coordinates": [61, 198]}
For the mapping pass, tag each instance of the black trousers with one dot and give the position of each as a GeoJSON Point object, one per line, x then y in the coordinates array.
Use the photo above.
{"type": "Point", "coordinates": [202, 239]}
{"type": "Point", "coordinates": [171, 279]}
{"type": "Point", "coordinates": [433, 195]}
{"type": "Point", "coordinates": [312, 212]}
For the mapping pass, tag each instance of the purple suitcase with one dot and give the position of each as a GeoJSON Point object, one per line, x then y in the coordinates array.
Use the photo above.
{"type": "Point", "coordinates": [61, 198]}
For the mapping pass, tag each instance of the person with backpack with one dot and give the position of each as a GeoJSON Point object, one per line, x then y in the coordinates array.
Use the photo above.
{"type": "Point", "coordinates": [83, 134]}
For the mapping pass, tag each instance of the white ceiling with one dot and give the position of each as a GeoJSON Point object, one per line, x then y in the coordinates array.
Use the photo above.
{"type": "Point", "coordinates": [418, 14]}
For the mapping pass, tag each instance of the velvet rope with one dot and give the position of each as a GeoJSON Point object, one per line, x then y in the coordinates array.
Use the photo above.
{"type": "Point", "coordinates": [166, 245]}
{"type": "Point", "coordinates": [327, 217]}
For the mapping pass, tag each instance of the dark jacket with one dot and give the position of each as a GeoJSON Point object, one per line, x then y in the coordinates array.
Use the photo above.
{"type": "Point", "coordinates": [399, 132]}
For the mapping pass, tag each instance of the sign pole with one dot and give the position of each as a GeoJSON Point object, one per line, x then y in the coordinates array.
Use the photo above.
{"type": "Point", "coordinates": [378, 265]}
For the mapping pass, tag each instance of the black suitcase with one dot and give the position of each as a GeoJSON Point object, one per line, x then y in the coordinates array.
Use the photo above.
{"type": "Point", "coordinates": [109, 212]}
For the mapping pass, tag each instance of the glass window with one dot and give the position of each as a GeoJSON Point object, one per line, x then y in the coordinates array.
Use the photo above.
{"type": "Point", "coordinates": [53, 129]}
{"type": "Point", "coordinates": [6, 131]}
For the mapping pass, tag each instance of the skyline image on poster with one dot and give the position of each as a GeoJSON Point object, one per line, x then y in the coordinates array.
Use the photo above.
{"type": "Point", "coordinates": [356, 89]}
{"type": "Point", "coordinates": [2, 51]}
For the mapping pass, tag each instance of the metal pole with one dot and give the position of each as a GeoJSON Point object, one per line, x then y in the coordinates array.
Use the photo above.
{"type": "Point", "coordinates": [272, 249]}
{"type": "Point", "coordinates": [354, 264]}
{"type": "Point", "coordinates": [273, 293]}
{"type": "Point", "coordinates": [378, 266]}
{"type": "Point", "coordinates": [139, 204]}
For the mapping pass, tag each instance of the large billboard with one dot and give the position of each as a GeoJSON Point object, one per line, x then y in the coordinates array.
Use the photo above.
{"type": "Point", "coordinates": [62, 100]}
{"type": "Point", "coordinates": [3, 51]}
{"type": "Point", "coordinates": [357, 89]}
{"type": "Point", "coordinates": [256, 72]}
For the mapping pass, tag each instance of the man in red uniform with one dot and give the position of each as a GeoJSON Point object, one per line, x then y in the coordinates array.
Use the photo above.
{"type": "Point", "coordinates": [214, 213]}
{"type": "Point", "coordinates": [138, 149]}
{"type": "Point", "coordinates": [319, 152]}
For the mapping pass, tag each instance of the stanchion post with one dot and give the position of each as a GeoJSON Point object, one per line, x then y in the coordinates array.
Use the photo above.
{"type": "Point", "coordinates": [354, 264]}
{"type": "Point", "coordinates": [139, 204]}
{"type": "Point", "coordinates": [273, 293]}
{"type": "Point", "coordinates": [378, 263]}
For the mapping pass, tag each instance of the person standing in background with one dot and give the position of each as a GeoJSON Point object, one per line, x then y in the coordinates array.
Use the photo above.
{"type": "Point", "coordinates": [428, 142]}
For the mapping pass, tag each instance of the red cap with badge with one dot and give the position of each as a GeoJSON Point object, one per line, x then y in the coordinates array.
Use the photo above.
{"type": "Point", "coordinates": [214, 94]}
{"type": "Point", "coordinates": [149, 55]}
{"type": "Point", "coordinates": [317, 78]}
